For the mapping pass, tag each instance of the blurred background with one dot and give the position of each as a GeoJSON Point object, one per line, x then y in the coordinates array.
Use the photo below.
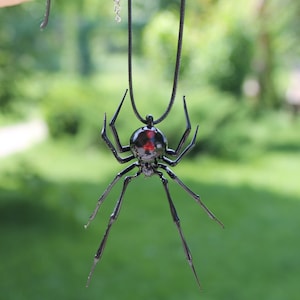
{"type": "Point", "coordinates": [240, 74]}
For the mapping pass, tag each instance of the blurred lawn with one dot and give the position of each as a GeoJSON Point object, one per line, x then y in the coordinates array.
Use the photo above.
{"type": "Point", "coordinates": [48, 193]}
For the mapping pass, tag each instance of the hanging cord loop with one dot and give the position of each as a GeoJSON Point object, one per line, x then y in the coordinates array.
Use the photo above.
{"type": "Point", "coordinates": [177, 64]}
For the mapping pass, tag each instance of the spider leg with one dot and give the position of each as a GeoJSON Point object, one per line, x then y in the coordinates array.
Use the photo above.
{"type": "Point", "coordinates": [185, 134]}
{"type": "Point", "coordinates": [114, 130]}
{"type": "Point", "coordinates": [177, 223]}
{"type": "Point", "coordinates": [112, 219]}
{"type": "Point", "coordinates": [183, 153]}
{"type": "Point", "coordinates": [191, 193]}
{"type": "Point", "coordinates": [108, 189]}
{"type": "Point", "coordinates": [111, 146]}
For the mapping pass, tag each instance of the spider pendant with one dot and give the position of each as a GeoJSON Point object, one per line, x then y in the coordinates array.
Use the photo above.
{"type": "Point", "coordinates": [149, 146]}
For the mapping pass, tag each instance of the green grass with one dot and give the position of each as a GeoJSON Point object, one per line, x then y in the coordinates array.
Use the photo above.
{"type": "Point", "coordinates": [48, 193]}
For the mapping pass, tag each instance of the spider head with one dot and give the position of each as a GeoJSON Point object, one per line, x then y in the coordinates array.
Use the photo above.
{"type": "Point", "coordinates": [148, 143]}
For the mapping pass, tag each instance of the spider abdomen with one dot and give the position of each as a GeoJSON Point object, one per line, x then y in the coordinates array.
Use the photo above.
{"type": "Point", "coordinates": [147, 144]}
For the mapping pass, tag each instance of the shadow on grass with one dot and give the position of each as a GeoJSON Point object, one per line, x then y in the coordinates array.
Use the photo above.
{"type": "Point", "coordinates": [287, 147]}
{"type": "Point", "coordinates": [46, 253]}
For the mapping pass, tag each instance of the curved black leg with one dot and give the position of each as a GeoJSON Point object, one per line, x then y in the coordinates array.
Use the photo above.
{"type": "Point", "coordinates": [191, 193]}
{"type": "Point", "coordinates": [111, 146]}
{"type": "Point", "coordinates": [112, 219]}
{"type": "Point", "coordinates": [108, 189]}
{"type": "Point", "coordinates": [183, 153]}
{"type": "Point", "coordinates": [177, 223]}
{"type": "Point", "coordinates": [185, 134]}
{"type": "Point", "coordinates": [114, 130]}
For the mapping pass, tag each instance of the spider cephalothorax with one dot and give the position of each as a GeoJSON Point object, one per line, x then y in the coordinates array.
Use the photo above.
{"type": "Point", "coordinates": [148, 143]}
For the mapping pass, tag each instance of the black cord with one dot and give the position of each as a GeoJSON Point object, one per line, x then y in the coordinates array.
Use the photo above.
{"type": "Point", "coordinates": [177, 64]}
{"type": "Point", "coordinates": [46, 16]}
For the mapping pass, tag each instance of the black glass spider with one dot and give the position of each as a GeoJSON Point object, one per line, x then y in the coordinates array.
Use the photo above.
{"type": "Point", "coordinates": [149, 146]}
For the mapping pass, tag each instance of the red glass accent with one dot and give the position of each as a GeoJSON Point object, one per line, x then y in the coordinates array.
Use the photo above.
{"type": "Point", "coordinates": [149, 145]}
{"type": "Point", "coordinates": [150, 134]}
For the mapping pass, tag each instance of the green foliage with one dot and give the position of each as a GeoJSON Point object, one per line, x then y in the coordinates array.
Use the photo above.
{"type": "Point", "coordinates": [229, 59]}
{"type": "Point", "coordinates": [67, 106]}
{"type": "Point", "coordinates": [12, 65]}
{"type": "Point", "coordinates": [285, 30]}
{"type": "Point", "coordinates": [220, 54]}
{"type": "Point", "coordinates": [160, 44]}
{"type": "Point", "coordinates": [23, 51]}
{"type": "Point", "coordinates": [223, 48]}
{"type": "Point", "coordinates": [226, 126]}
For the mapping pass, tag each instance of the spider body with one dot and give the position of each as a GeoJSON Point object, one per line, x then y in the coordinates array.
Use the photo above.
{"type": "Point", "coordinates": [148, 144]}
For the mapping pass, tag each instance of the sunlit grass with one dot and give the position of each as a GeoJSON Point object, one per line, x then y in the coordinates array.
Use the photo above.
{"type": "Point", "coordinates": [264, 172]}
